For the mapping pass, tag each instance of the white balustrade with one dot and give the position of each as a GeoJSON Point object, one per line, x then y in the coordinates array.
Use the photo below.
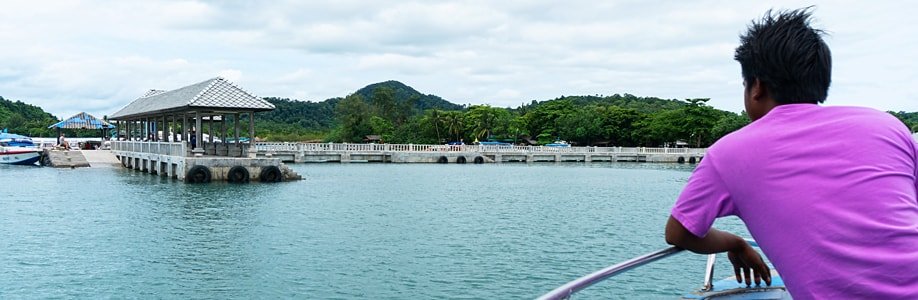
{"type": "Point", "coordinates": [345, 147]}
{"type": "Point", "coordinates": [162, 148]}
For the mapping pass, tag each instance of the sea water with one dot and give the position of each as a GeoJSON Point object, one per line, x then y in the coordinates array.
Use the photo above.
{"type": "Point", "coordinates": [347, 231]}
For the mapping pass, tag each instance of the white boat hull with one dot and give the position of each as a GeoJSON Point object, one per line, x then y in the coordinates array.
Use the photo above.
{"type": "Point", "coordinates": [19, 156]}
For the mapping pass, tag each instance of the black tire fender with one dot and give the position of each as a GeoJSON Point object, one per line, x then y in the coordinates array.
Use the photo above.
{"type": "Point", "coordinates": [479, 160]}
{"type": "Point", "coordinates": [198, 174]}
{"type": "Point", "coordinates": [442, 160]}
{"type": "Point", "coordinates": [271, 174]}
{"type": "Point", "coordinates": [460, 160]}
{"type": "Point", "coordinates": [237, 174]}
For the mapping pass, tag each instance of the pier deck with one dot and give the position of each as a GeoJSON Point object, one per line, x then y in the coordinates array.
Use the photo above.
{"type": "Point", "coordinates": [410, 153]}
{"type": "Point", "coordinates": [100, 158]}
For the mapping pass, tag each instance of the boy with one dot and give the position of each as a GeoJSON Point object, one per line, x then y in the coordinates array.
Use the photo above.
{"type": "Point", "coordinates": [829, 193]}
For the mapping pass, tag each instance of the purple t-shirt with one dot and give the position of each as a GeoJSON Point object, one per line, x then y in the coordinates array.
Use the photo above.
{"type": "Point", "coordinates": [829, 194]}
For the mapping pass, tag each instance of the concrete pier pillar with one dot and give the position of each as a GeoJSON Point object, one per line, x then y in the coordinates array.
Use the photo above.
{"type": "Point", "coordinates": [199, 135]}
{"type": "Point", "coordinates": [587, 158]}
{"type": "Point", "coordinates": [299, 157]}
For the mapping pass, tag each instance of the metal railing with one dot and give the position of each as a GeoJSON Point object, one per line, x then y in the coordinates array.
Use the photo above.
{"type": "Point", "coordinates": [565, 291]}
{"type": "Point", "coordinates": [568, 289]}
{"type": "Point", "coordinates": [344, 147]}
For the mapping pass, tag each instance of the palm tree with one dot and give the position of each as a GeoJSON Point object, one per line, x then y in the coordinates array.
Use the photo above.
{"type": "Point", "coordinates": [436, 118]}
{"type": "Point", "coordinates": [453, 121]}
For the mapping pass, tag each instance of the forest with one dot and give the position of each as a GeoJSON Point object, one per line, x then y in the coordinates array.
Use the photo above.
{"type": "Point", "coordinates": [25, 119]}
{"type": "Point", "coordinates": [399, 114]}
{"type": "Point", "coordinates": [396, 113]}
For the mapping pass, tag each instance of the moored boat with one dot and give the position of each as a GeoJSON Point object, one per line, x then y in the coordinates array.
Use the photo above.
{"type": "Point", "coordinates": [19, 155]}
{"type": "Point", "coordinates": [17, 149]}
{"type": "Point", "coordinates": [558, 143]}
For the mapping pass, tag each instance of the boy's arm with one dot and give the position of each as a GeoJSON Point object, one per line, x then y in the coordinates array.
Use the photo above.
{"type": "Point", "coordinates": [743, 257]}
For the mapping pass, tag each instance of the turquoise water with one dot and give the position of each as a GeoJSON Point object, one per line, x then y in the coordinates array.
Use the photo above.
{"type": "Point", "coordinates": [348, 231]}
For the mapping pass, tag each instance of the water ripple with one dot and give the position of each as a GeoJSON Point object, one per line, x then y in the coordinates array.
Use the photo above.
{"type": "Point", "coordinates": [357, 231]}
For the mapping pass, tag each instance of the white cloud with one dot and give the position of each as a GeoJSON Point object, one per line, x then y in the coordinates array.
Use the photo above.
{"type": "Point", "coordinates": [90, 55]}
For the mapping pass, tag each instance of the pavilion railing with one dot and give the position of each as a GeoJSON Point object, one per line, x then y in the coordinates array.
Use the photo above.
{"type": "Point", "coordinates": [162, 148]}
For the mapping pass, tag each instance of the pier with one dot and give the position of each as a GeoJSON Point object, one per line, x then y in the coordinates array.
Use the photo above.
{"type": "Point", "coordinates": [412, 153]}
{"type": "Point", "coordinates": [164, 133]}
{"type": "Point", "coordinates": [64, 159]}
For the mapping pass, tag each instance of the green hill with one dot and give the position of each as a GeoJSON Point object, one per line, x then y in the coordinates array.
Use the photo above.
{"type": "Point", "coordinates": [404, 93]}
{"type": "Point", "coordinates": [26, 119]}
{"type": "Point", "coordinates": [301, 120]}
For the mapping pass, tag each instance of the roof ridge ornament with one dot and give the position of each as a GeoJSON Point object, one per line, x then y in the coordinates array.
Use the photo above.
{"type": "Point", "coordinates": [153, 92]}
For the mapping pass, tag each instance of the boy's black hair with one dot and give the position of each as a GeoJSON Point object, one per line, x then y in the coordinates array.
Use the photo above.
{"type": "Point", "coordinates": [787, 56]}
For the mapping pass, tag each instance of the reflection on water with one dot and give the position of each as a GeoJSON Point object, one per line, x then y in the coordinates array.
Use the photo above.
{"type": "Point", "coordinates": [348, 231]}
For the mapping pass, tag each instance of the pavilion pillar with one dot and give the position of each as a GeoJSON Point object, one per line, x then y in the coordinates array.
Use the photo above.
{"type": "Point", "coordinates": [174, 130]}
{"type": "Point", "coordinates": [236, 130]}
{"type": "Point", "coordinates": [252, 150]}
{"type": "Point", "coordinates": [210, 130]}
{"type": "Point", "coordinates": [223, 127]}
{"type": "Point", "coordinates": [185, 129]}
{"type": "Point", "coordinates": [223, 134]}
{"type": "Point", "coordinates": [198, 138]}
{"type": "Point", "coordinates": [149, 129]}
{"type": "Point", "coordinates": [252, 127]}
{"type": "Point", "coordinates": [236, 127]}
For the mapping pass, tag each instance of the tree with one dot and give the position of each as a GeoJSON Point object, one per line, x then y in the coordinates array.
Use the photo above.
{"type": "Point", "coordinates": [620, 124]}
{"type": "Point", "coordinates": [542, 120]}
{"type": "Point", "coordinates": [354, 117]}
{"type": "Point", "coordinates": [583, 126]}
{"type": "Point", "coordinates": [698, 119]}
{"type": "Point", "coordinates": [484, 122]}
{"type": "Point", "coordinates": [382, 127]}
{"type": "Point", "coordinates": [728, 123]}
{"type": "Point", "coordinates": [383, 101]}
{"type": "Point", "coordinates": [435, 118]}
{"type": "Point", "coordinates": [454, 122]}
{"type": "Point", "coordinates": [660, 128]}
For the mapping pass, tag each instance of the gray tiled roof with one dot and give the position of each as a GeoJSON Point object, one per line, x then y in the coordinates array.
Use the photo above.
{"type": "Point", "coordinates": [215, 94]}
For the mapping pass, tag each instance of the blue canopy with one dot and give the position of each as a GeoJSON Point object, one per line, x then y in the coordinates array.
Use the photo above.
{"type": "Point", "coordinates": [12, 136]}
{"type": "Point", "coordinates": [82, 121]}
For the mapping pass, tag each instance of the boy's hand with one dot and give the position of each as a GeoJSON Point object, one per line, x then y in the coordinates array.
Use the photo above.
{"type": "Point", "coordinates": [745, 261]}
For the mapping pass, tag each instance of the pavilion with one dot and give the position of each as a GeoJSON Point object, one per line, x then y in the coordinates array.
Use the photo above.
{"type": "Point", "coordinates": [82, 121]}
{"type": "Point", "coordinates": [179, 115]}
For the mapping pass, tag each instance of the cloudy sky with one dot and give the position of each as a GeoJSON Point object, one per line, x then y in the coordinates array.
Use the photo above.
{"type": "Point", "coordinates": [97, 56]}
